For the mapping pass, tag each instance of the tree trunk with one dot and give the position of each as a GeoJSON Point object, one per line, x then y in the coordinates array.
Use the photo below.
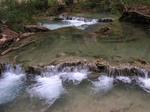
{"type": "Point", "coordinates": [45, 3]}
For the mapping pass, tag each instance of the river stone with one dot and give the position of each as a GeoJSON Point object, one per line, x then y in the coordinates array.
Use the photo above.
{"type": "Point", "coordinates": [105, 20]}
{"type": "Point", "coordinates": [148, 73]}
{"type": "Point", "coordinates": [102, 68]}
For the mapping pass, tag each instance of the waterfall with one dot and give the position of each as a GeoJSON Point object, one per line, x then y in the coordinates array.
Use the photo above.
{"type": "Point", "coordinates": [11, 83]}
{"type": "Point", "coordinates": [103, 84]}
{"type": "Point", "coordinates": [71, 21]}
{"type": "Point", "coordinates": [124, 79]}
{"type": "Point", "coordinates": [144, 82]}
{"type": "Point", "coordinates": [48, 88]}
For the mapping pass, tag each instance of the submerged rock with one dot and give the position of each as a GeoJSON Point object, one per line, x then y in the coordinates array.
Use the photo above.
{"type": "Point", "coordinates": [105, 20]}
{"type": "Point", "coordinates": [35, 28]}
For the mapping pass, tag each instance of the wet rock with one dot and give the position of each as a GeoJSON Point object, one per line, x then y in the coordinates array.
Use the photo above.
{"type": "Point", "coordinates": [125, 72]}
{"type": "Point", "coordinates": [33, 70]}
{"type": "Point", "coordinates": [102, 68]}
{"type": "Point", "coordinates": [137, 72]}
{"type": "Point", "coordinates": [92, 67]}
{"type": "Point", "coordinates": [2, 67]}
{"type": "Point", "coordinates": [105, 20]}
{"type": "Point", "coordinates": [142, 61]}
{"type": "Point", "coordinates": [70, 64]}
{"type": "Point", "coordinates": [68, 17]}
{"type": "Point", "coordinates": [94, 76]}
{"type": "Point", "coordinates": [149, 73]}
{"type": "Point", "coordinates": [35, 28]}
{"type": "Point", "coordinates": [95, 69]}
{"type": "Point", "coordinates": [113, 72]}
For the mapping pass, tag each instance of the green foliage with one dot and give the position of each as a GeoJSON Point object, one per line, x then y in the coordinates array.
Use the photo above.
{"type": "Point", "coordinates": [52, 2]}
{"type": "Point", "coordinates": [97, 5]}
{"type": "Point", "coordinates": [132, 2]}
{"type": "Point", "coordinates": [16, 14]}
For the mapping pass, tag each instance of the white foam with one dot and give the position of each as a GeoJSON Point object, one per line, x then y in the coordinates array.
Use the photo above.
{"type": "Point", "coordinates": [124, 79]}
{"type": "Point", "coordinates": [103, 84]}
{"type": "Point", "coordinates": [10, 84]}
{"type": "Point", "coordinates": [144, 83]}
{"type": "Point", "coordinates": [47, 88]}
{"type": "Point", "coordinates": [79, 23]}
{"type": "Point", "coordinates": [76, 77]}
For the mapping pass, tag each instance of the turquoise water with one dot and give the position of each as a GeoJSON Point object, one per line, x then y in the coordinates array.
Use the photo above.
{"type": "Point", "coordinates": [132, 43]}
{"type": "Point", "coordinates": [81, 99]}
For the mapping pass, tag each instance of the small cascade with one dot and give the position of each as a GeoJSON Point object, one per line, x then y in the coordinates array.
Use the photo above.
{"type": "Point", "coordinates": [74, 74]}
{"type": "Point", "coordinates": [74, 18]}
{"type": "Point", "coordinates": [48, 88]}
{"type": "Point", "coordinates": [11, 82]}
{"type": "Point", "coordinates": [124, 79]}
{"type": "Point", "coordinates": [144, 82]}
{"type": "Point", "coordinates": [78, 21]}
{"type": "Point", "coordinates": [49, 85]}
{"type": "Point", "coordinates": [71, 21]}
{"type": "Point", "coordinates": [103, 84]}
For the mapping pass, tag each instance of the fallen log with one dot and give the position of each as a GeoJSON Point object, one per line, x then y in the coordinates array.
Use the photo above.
{"type": "Point", "coordinates": [15, 48]}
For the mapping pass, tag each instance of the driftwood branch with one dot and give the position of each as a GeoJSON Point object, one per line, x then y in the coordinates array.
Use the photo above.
{"type": "Point", "coordinates": [15, 48]}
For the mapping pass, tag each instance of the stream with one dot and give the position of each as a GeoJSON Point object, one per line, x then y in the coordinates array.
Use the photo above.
{"type": "Point", "coordinates": [126, 43]}
{"type": "Point", "coordinates": [70, 90]}
{"type": "Point", "coordinates": [65, 91]}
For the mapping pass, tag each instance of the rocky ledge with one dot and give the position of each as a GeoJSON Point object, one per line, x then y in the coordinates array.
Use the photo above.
{"type": "Point", "coordinates": [95, 68]}
{"type": "Point", "coordinates": [137, 14]}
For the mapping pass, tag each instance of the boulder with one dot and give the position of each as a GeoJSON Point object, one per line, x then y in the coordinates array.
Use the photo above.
{"type": "Point", "coordinates": [135, 17]}
{"type": "Point", "coordinates": [136, 14]}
